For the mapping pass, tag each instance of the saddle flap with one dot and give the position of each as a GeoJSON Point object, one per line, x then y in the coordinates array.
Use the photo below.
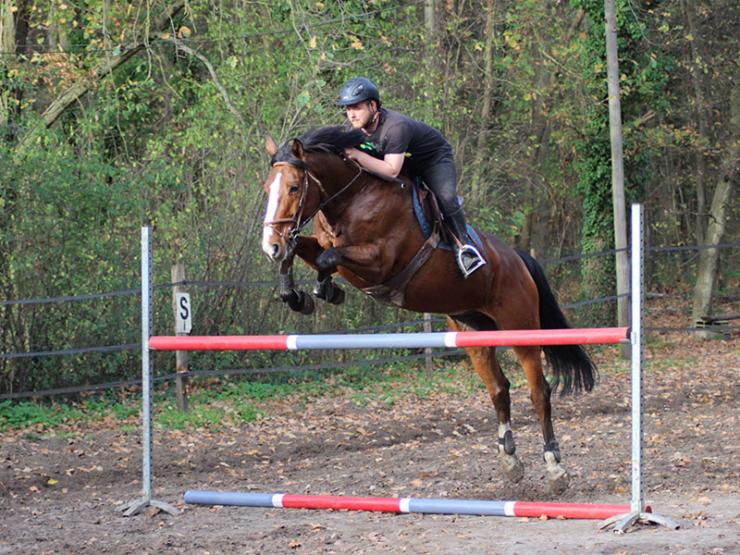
{"type": "Point", "coordinates": [428, 212]}
{"type": "Point", "coordinates": [429, 215]}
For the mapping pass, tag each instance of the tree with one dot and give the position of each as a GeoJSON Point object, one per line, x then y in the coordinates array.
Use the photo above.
{"type": "Point", "coordinates": [615, 135]}
{"type": "Point", "coordinates": [718, 213]}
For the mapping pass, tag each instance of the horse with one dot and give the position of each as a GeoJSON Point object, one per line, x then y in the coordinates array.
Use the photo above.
{"type": "Point", "coordinates": [365, 230]}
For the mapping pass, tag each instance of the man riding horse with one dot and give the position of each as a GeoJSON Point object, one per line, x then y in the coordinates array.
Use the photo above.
{"type": "Point", "coordinates": [395, 140]}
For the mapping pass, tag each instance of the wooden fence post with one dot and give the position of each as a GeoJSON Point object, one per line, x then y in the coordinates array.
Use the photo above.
{"type": "Point", "coordinates": [181, 357]}
{"type": "Point", "coordinates": [428, 350]}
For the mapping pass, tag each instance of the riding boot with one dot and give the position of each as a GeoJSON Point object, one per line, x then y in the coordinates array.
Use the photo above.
{"type": "Point", "coordinates": [469, 259]}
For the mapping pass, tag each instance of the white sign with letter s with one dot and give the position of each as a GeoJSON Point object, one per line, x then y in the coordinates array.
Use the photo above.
{"type": "Point", "coordinates": [183, 313]}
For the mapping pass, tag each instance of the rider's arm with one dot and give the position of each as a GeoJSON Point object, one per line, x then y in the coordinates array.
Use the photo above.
{"type": "Point", "coordinates": [390, 166]}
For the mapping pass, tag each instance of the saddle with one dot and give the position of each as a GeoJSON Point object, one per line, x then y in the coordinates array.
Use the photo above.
{"type": "Point", "coordinates": [429, 214]}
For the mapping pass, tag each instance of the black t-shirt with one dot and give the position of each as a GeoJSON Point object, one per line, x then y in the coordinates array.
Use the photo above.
{"type": "Point", "coordinates": [397, 133]}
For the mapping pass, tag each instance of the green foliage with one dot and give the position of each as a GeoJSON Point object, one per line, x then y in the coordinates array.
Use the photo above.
{"type": "Point", "coordinates": [174, 137]}
{"type": "Point", "coordinates": [643, 78]}
{"type": "Point", "coordinates": [42, 415]}
{"type": "Point", "coordinates": [239, 402]}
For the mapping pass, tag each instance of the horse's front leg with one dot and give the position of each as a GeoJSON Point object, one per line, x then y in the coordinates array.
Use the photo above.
{"type": "Point", "coordinates": [308, 249]}
{"type": "Point", "coordinates": [540, 391]}
{"type": "Point", "coordinates": [297, 300]}
{"type": "Point", "coordinates": [325, 287]}
{"type": "Point", "coordinates": [363, 260]}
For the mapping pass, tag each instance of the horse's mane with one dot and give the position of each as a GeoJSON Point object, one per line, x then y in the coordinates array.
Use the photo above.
{"type": "Point", "coordinates": [331, 138]}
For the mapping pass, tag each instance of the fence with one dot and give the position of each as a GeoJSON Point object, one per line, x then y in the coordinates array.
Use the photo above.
{"type": "Point", "coordinates": [118, 361]}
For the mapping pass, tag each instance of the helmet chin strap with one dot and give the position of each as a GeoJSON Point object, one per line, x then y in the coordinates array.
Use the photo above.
{"type": "Point", "coordinates": [373, 121]}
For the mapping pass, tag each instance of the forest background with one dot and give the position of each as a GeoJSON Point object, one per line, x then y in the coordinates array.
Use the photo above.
{"type": "Point", "coordinates": [118, 114]}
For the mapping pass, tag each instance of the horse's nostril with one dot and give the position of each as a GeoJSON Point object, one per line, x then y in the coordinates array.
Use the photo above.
{"type": "Point", "coordinates": [275, 249]}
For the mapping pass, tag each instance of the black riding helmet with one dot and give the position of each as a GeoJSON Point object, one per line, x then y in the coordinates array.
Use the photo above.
{"type": "Point", "coordinates": [356, 90]}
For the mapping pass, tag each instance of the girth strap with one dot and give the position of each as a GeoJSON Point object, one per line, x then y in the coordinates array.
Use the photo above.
{"type": "Point", "coordinates": [393, 291]}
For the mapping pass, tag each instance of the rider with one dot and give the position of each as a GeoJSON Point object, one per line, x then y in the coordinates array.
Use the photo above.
{"type": "Point", "coordinates": [392, 139]}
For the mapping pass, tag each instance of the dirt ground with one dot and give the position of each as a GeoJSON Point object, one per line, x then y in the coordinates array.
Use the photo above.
{"type": "Point", "coordinates": [60, 493]}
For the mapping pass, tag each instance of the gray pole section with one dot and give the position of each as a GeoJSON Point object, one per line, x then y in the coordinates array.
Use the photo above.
{"type": "Point", "coordinates": [146, 365]}
{"type": "Point", "coordinates": [147, 500]}
{"type": "Point", "coordinates": [638, 496]}
{"type": "Point", "coordinates": [637, 504]}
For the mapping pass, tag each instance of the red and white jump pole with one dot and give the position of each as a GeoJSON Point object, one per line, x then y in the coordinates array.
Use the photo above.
{"type": "Point", "coordinates": [573, 336]}
{"type": "Point", "coordinates": [620, 515]}
{"type": "Point", "coordinates": [408, 505]}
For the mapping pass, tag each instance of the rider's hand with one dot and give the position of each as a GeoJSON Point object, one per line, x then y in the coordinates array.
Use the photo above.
{"type": "Point", "coordinates": [352, 153]}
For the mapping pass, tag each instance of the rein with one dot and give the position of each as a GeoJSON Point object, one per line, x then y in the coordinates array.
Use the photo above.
{"type": "Point", "coordinates": [298, 222]}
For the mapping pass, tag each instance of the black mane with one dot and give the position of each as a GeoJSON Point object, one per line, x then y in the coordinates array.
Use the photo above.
{"type": "Point", "coordinates": [331, 138]}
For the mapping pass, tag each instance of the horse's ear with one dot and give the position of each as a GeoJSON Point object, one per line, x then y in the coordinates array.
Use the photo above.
{"type": "Point", "coordinates": [297, 149]}
{"type": "Point", "coordinates": [270, 146]}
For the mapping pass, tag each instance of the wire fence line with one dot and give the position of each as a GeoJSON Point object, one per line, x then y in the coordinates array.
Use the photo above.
{"type": "Point", "coordinates": [137, 346]}
{"type": "Point", "coordinates": [267, 284]}
{"type": "Point", "coordinates": [366, 329]}
{"type": "Point", "coordinates": [300, 369]}
{"type": "Point", "coordinates": [77, 351]}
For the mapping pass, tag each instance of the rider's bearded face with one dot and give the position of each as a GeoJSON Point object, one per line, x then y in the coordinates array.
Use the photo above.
{"type": "Point", "coordinates": [361, 114]}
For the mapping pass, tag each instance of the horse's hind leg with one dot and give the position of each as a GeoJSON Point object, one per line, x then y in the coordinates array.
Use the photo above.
{"type": "Point", "coordinates": [531, 361]}
{"type": "Point", "coordinates": [485, 364]}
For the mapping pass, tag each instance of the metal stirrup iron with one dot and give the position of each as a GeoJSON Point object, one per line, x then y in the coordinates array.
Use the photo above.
{"type": "Point", "coordinates": [474, 259]}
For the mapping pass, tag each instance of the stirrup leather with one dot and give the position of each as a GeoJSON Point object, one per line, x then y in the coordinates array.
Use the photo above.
{"type": "Point", "coordinates": [475, 259]}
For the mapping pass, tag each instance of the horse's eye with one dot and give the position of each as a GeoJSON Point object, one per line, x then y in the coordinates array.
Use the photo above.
{"type": "Point", "coordinates": [293, 190]}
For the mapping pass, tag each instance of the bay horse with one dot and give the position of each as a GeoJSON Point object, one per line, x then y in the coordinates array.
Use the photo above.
{"type": "Point", "coordinates": [365, 230]}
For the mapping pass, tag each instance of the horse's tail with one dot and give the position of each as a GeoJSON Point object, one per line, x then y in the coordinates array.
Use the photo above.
{"type": "Point", "coordinates": [570, 363]}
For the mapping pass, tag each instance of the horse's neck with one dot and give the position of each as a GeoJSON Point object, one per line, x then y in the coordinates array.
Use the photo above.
{"type": "Point", "coordinates": [341, 182]}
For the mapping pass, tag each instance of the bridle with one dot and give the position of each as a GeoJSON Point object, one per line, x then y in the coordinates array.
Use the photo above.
{"type": "Point", "coordinates": [298, 222]}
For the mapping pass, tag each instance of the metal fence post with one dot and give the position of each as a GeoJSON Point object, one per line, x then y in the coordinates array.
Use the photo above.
{"type": "Point", "coordinates": [147, 499]}
{"type": "Point", "coordinates": [637, 503]}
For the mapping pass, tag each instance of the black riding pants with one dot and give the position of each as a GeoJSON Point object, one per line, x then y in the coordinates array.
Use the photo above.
{"type": "Point", "coordinates": [441, 178]}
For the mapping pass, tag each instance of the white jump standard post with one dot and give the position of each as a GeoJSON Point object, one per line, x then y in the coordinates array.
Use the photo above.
{"type": "Point", "coordinates": [146, 500]}
{"type": "Point", "coordinates": [637, 505]}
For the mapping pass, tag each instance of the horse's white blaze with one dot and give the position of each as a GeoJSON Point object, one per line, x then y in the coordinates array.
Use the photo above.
{"type": "Point", "coordinates": [272, 206]}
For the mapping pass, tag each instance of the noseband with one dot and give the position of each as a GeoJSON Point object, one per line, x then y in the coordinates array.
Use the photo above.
{"type": "Point", "coordinates": [297, 221]}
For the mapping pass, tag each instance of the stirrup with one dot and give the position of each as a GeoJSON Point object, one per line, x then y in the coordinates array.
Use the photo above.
{"type": "Point", "coordinates": [474, 260]}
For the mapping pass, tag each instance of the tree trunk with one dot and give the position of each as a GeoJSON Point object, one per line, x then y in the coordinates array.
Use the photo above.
{"type": "Point", "coordinates": [477, 186]}
{"type": "Point", "coordinates": [718, 213]}
{"type": "Point", "coordinates": [13, 38]}
{"type": "Point", "coordinates": [594, 185]}
{"type": "Point", "coordinates": [615, 136]}
{"type": "Point", "coordinates": [7, 45]}
{"type": "Point", "coordinates": [430, 19]}
{"type": "Point", "coordinates": [701, 120]}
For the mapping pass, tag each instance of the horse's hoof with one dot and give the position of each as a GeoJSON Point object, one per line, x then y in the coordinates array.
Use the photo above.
{"type": "Point", "coordinates": [324, 290]}
{"type": "Point", "coordinates": [300, 302]}
{"type": "Point", "coordinates": [513, 468]}
{"type": "Point", "coordinates": [336, 295]}
{"type": "Point", "coordinates": [308, 304]}
{"type": "Point", "coordinates": [558, 484]}
{"type": "Point", "coordinates": [556, 475]}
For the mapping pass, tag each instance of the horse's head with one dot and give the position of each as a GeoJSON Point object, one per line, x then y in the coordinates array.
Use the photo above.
{"type": "Point", "coordinates": [290, 199]}
{"type": "Point", "coordinates": [294, 192]}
